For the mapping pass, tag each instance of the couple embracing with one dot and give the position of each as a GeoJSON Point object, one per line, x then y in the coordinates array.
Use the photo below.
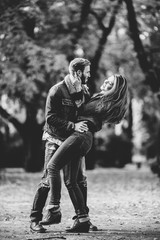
{"type": "Point", "coordinates": [72, 117]}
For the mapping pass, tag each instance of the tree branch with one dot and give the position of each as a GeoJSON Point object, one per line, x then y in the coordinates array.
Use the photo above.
{"type": "Point", "coordinates": [133, 26]}
{"type": "Point", "coordinates": [112, 19]}
{"type": "Point", "coordinates": [99, 20]}
{"type": "Point", "coordinates": [85, 10]}
{"type": "Point", "coordinates": [147, 67]}
{"type": "Point", "coordinates": [102, 41]}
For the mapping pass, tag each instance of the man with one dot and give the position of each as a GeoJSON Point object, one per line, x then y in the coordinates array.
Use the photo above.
{"type": "Point", "coordinates": [66, 96]}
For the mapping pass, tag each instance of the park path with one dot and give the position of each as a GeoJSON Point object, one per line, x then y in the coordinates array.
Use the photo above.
{"type": "Point", "coordinates": [124, 204]}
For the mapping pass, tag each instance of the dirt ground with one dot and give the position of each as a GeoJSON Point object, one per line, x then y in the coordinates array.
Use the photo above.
{"type": "Point", "coordinates": [124, 204]}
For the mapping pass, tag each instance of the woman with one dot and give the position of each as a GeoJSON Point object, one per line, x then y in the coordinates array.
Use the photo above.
{"type": "Point", "coordinates": [108, 106]}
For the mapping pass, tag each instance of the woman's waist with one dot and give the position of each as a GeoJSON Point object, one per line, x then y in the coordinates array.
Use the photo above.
{"type": "Point", "coordinates": [93, 124]}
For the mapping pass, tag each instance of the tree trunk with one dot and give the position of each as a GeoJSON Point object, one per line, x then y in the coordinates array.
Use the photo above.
{"type": "Point", "coordinates": [31, 134]}
{"type": "Point", "coordinates": [33, 152]}
{"type": "Point", "coordinates": [32, 137]}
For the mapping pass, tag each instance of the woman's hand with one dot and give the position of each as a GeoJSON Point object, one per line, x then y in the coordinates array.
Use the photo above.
{"type": "Point", "coordinates": [81, 126]}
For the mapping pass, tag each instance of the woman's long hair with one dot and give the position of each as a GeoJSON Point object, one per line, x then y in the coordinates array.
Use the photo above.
{"type": "Point", "coordinates": [113, 105]}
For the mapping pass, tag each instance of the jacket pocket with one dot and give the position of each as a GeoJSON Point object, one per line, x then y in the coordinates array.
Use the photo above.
{"type": "Point", "coordinates": [67, 102]}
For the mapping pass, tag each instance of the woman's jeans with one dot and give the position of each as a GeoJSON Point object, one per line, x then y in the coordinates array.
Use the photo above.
{"type": "Point", "coordinates": [71, 151]}
{"type": "Point", "coordinates": [44, 187]}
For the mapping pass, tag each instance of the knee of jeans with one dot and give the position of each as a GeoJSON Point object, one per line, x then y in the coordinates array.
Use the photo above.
{"type": "Point", "coordinates": [70, 185]}
{"type": "Point", "coordinates": [44, 184]}
{"type": "Point", "coordinates": [51, 169]}
{"type": "Point", "coordinates": [83, 183]}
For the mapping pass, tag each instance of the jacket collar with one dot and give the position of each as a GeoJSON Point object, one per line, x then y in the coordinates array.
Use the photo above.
{"type": "Point", "coordinates": [73, 84]}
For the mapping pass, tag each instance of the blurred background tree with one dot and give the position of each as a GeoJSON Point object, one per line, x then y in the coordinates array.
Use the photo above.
{"type": "Point", "coordinates": [38, 38]}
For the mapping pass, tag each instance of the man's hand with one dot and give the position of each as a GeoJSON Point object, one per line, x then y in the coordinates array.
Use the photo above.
{"type": "Point", "coordinates": [81, 126]}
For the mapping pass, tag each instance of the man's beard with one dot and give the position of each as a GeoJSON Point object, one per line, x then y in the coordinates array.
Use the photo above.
{"type": "Point", "coordinates": [83, 79]}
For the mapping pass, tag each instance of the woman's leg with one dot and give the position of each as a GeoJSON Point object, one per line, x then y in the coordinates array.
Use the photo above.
{"type": "Point", "coordinates": [70, 150]}
{"type": "Point", "coordinates": [82, 180]}
{"type": "Point", "coordinates": [70, 172]}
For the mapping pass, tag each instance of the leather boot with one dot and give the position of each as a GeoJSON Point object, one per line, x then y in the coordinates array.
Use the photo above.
{"type": "Point", "coordinates": [37, 227]}
{"type": "Point", "coordinates": [92, 227]}
{"type": "Point", "coordinates": [53, 217]}
{"type": "Point", "coordinates": [79, 226]}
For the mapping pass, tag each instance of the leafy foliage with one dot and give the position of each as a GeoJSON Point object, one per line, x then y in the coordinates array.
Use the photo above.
{"type": "Point", "coordinates": [39, 37]}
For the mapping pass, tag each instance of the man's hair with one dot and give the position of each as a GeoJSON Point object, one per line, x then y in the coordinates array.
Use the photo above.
{"type": "Point", "coordinates": [78, 64]}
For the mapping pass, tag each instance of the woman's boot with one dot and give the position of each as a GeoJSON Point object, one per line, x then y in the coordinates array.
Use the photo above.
{"type": "Point", "coordinates": [81, 224]}
{"type": "Point", "coordinates": [53, 216]}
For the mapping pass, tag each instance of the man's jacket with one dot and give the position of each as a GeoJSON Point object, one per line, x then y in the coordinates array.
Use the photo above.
{"type": "Point", "coordinates": [61, 112]}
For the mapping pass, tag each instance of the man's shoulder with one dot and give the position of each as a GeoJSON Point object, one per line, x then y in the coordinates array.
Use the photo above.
{"type": "Point", "coordinates": [57, 87]}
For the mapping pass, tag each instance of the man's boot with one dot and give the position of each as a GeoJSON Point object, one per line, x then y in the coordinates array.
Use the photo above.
{"type": "Point", "coordinates": [37, 227]}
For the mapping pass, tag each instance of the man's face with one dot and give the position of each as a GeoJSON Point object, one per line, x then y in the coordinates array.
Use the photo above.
{"type": "Point", "coordinates": [85, 75]}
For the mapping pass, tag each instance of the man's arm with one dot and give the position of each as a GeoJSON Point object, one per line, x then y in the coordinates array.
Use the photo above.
{"type": "Point", "coordinates": [53, 106]}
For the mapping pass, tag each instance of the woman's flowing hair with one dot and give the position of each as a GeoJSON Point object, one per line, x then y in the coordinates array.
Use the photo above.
{"type": "Point", "coordinates": [113, 105]}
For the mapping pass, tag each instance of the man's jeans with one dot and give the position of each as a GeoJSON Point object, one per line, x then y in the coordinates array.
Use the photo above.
{"type": "Point", "coordinates": [43, 187]}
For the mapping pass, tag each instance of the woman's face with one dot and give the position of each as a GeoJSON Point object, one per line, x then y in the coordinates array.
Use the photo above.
{"type": "Point", "coordinates": [108, 84]}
